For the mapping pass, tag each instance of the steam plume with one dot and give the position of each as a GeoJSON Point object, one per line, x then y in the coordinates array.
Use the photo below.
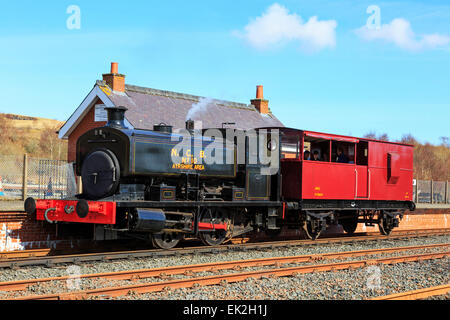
{"type": "Point", "coordinates": [199, 107]}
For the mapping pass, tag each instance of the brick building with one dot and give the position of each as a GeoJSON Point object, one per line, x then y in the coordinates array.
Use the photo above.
{"type": "Point", "coordinates": [147, 107]}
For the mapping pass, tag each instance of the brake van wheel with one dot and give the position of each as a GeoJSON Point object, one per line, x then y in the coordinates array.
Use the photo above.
{"type": "Point", "coordinates": [350, 224]}
{"type": "Point", "coordinates": [166, 240]}
{"type": "Point", "coordinates": [313, 228]}
{"type": "Point", "coordinates": [386, 225]}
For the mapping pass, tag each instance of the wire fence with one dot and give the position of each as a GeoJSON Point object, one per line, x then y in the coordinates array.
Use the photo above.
{"type": "Point", "coordinates": [22, 177]}
{"type": "Point", "coordinates": [55, 179]}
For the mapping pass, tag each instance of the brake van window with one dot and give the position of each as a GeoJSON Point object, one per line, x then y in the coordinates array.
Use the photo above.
{"type": "Point", "coordinates": [343, 152]}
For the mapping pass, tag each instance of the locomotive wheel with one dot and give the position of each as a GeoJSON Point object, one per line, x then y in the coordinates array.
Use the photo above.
{"type": "Point", "coordinates": [213, 238]}
{"type": "Point", "coordinates": [166, 240]}
{"type": "Point", "coordinates": [386, 225]}
{"type": "Point", "coordinates": [313, 228]}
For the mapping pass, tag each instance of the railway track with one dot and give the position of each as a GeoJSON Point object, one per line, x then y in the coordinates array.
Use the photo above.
{"type": "Point", "coordinates": [29, 260]}
{"type": "Point", "coordinates": [229, 277]}
{"type": "Point", "coordinates": [227, 265]}
{"type": "Point", "coordinates": [24, 254]}
{"type": "Point", "coordinates": [417, 294]}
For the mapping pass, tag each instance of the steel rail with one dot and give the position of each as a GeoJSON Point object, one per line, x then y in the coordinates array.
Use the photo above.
{"type": "Point", "coordinates": [233, 277]}
{"type": "Point", "coordinates": [24, 254]}
{"type": "Point", "coordinates": [215, 266]}
{"type": "Point", "coordinates": [417, 294]}
{"type": "Point", "coordinates": [108, 256]}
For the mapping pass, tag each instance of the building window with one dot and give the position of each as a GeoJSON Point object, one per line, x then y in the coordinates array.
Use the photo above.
{"type": "Point", "coordinates": [100, 113]}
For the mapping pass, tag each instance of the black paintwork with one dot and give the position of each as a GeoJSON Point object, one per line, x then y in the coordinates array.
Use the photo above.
{"type": "Point", "coordinates": [144, 155]}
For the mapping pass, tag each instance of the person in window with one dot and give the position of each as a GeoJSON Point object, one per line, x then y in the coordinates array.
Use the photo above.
{"type": "Point", "coordinates": [341, 157]}
{"type": "Point", "coordinates": [307, 155]}
{"type": "Point", "coordinates": [316, 156]}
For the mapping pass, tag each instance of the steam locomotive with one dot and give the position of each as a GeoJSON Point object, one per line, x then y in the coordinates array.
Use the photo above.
{"type": "Point", "coordinates": [133, 186]}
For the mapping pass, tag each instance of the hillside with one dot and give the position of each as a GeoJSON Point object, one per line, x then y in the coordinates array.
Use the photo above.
{"type": "Point", "coordinates": [35, 136]}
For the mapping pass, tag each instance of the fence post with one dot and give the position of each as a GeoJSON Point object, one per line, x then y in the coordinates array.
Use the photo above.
{"type": "Point", "coordinates": [25, 177]}
{"type": "Point", "coordinates": [417, 191]}
{"type": "Point", "coordinates": [446, 192]}
{"type": "Point", "coordinates": [432, 191]}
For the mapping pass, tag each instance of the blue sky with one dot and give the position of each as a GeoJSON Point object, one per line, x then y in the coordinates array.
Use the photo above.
{"type": "Point", "coordinates": [336, 79]}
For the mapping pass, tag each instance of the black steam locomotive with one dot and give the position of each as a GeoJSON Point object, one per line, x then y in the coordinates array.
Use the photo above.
{"type": "Point", "coordinates": [191, 196]}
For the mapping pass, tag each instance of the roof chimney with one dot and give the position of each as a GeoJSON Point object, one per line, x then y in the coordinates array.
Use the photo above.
{"type": "Point", "coordinates": [259, 92]}
{"type": "Point", "coordinates": [260, 104]}
{"type": "Point", "coordinates": [115, 80]}
{"type": "Point", "coordinates": [114, 67]}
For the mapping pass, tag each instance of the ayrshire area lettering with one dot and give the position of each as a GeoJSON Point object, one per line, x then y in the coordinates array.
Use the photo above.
{"type": "Point", "coordinates": [188, 161]}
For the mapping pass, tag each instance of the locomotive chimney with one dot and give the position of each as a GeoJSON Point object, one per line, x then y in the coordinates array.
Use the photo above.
{"type": "Point", "coordinates": [115, 80]}
{"type": "Point", "coordinates": [260, 104]}
{"type": "Point", "coordinates": [190, 125]}
{"type": "Point", "coordinates": [116, 117]}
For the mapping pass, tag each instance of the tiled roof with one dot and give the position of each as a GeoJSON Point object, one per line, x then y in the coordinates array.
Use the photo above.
{"type": "Point", "coordinates": [147, 107]}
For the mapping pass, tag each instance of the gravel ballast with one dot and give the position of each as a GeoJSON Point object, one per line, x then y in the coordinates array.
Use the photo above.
{"type": "Point", "coordinates": [348, 284]}
{"type": "Point", "coordinates": [36, 272]}
{"type": "Point", "coordinates": [54, 287]}
{"type": "Point", "coordinates": [341, 285]}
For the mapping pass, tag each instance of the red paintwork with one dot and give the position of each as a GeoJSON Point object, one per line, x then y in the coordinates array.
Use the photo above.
{"type": "Point", "coordinates": [324, 180]}
{"type": "Point", "coordinates": [344, 181]}
{"type": "Point", "coordinates": [101, 212]}
{"type": "Point", "coordinates": [362, 186]}
{"type": "Point", "coordinates": [210, 226]}
{"type": "Point", "coordinates": [398, 189]}
{"type": "Point", "coordinates": [333, 137]}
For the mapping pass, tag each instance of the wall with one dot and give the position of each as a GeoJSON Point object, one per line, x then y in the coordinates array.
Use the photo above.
{"type": "Point", "coordinates": [419, 219]}
{"type": "Point", "coordinates": [86, 124]}
{"type": "Point", "coordinates": [20, 232]}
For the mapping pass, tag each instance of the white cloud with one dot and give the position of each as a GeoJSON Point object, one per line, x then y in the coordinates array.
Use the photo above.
{"type": "Point", "coordinates": [277, 26]}
{"type": "Point", "coordinates": [399, 32]}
